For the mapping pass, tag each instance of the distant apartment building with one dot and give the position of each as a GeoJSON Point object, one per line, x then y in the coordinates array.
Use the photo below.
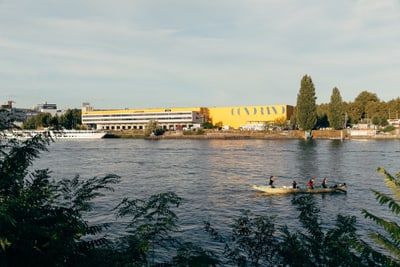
{"type": "Point", "coordinates": [46, 107]}
{"type": "Point", "coordinates": [178, 118]}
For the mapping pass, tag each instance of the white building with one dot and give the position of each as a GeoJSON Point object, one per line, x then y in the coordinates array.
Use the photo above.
{"type": "Point", "coordinates": [46, 108]}
{"type": "Point", "coordinates": [126, 119]}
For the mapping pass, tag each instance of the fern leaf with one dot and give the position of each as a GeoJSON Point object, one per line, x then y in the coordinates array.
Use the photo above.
{"type": "Point", "coordinates": [391, 247]}
{"type": "Point", "coordinates": [391, 227]}
{"type": "Point", "coordinates": [392, 182]}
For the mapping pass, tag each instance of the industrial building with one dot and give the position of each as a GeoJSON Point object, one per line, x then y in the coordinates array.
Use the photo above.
{"type": "Point", "coordinates": [178, 118]}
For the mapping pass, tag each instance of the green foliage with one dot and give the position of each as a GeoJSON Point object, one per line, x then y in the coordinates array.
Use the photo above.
{"type": "Point", "coordinates": [314, 247]}
{"type": "Point", "coordinates": [189, 254]}
{"type": "Point", "coordinates": [389, 128]}
{"type": "Point", "coordinates": [358, 110]}
{"type": "Point", "coordinates": [41, 221]}
{"type": "Point", "coordinates": [207, 125]}
{"type": "Point", "coordinates": [389, 240]}
{"type": "Point", "coordinates": [159, 131]}
{"type": "Point", "coordinates": [153, 128]}
{"type": "Point", "coordinates": [383, 121]}
{"type": "Point", "coordinates": [336, 110]}
{"type": "Point", "coordinates": [8, 117]}
{"type": "Point", "coordinates": [255, 242]}
{"type": "Point", "coordinates": [71, 119]}
{"type": "Point", "coordinates": [42, 120]}
{"type": "Point", "coordinates": [252, 242]}
{"type": "Point", "coordinates": [322, 116]}
{"type": "Point", "coordinates": [15, 159]}
{"type": "Point", "coordinates": [306, 110]}
{"type": "Point", "coordinates": [375, 120]}
{"type": "Point", "coordinates": [152, 221]}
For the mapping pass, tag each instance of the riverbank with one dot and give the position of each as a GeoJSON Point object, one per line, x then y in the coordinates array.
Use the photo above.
{"type": "Point", "coordinates": [215, 134]}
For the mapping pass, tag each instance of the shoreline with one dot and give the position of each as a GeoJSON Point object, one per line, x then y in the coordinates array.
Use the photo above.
{"type": "Point", "coordinates": [237, 135]}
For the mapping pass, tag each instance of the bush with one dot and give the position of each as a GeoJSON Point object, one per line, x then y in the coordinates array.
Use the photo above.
{"type": "Point", "coordinates": [389, 128]}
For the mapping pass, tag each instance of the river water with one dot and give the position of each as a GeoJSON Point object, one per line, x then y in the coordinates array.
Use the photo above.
{"type": "Point", "coordinates": [215, 177]}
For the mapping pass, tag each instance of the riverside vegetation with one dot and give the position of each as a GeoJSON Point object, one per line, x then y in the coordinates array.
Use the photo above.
{"type": "Point", "coordinates": [43, 222]}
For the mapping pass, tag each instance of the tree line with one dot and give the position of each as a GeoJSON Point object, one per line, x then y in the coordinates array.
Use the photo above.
{"type": "Point", "coordinates": [43, 222]}
{"type": "Point", "coordinates": [70, 119]}
{"type": "Point", "coordinates": [338, 114]}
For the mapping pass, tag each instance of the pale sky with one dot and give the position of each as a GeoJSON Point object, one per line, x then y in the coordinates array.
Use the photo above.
{"type": "Point", "coordinates": [183, 53]}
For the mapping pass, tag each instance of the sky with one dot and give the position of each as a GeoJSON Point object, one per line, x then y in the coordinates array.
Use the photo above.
{"type": "Point", "coordinates": [184, 53]}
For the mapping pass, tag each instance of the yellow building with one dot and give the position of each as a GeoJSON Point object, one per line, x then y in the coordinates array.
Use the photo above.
{"type": "Point", "coordinates": [240, 116]}
{"type": "Point", "coordinates": [174, 118]}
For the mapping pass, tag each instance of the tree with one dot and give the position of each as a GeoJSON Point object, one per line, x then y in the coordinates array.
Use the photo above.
{"type": "Point", "coordinates": [306, 110]}
{"type": "Point", "coordinates": [8, 117]}
{"type": "Point", "coordinates": [389, 239]}
{"type": "Point", "coordinates": [54, 122]}
{"type": "Point", "coordinates": [71, 119]}
{"type": "Point", "coordinates": [151, 126]}
{"type": "Point", "coordinates": [41, 120]}
{"type": "Point", "coordinates": [360, 103]}
{"type": "Point", "coordinates": [41, 221]}
{"type": "Point", "coordinates": [322, 116]}
{"type": "Point", "coordinates": [336, 110]}
{"type": "Point", "coordinates": [393, 108]}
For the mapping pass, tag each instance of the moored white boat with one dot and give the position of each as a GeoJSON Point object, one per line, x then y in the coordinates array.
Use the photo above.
{"type": "Point", "coordinates": [290, 190]}
{"type": "Point", "coordinates": [77, 134]}
{"type": "Point", "coordinates": [55, 134]}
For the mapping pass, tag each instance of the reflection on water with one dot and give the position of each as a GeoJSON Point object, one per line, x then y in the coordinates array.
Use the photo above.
{"type": "Point", "coordinates": [215, 176]}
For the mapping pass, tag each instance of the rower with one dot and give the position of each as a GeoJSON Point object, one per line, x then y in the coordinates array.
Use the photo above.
{"type": "Point", "coordinates": [271, 181]}
{"type": "Point", "coordinates": [311, 183]}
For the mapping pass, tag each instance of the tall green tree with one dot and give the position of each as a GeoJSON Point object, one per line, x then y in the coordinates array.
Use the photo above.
{"type": "Point", "coordinates": [336, 110]}
{"type": "Point", "coordinates": [306, 109]}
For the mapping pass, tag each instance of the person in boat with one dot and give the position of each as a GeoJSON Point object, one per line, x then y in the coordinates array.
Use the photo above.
{"type": "Point", "coordinates": [324, 182]}
{"type": "Point", "coordinates": [294, 184]}
{"type": "Point", "coordinates": [311, 183]}
{"type": "Point", "coordinates": [271, 181]}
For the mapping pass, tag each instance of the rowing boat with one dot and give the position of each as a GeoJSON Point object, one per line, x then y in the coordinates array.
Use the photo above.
{"type": "Point", "coordinates": [341, 188]}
